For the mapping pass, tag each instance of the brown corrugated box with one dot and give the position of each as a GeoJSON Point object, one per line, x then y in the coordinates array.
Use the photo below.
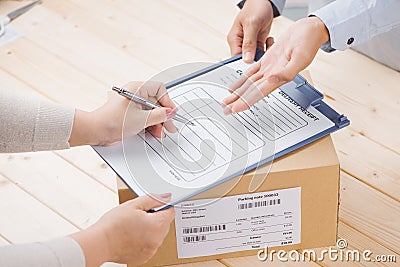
{"type": "Point", "coordinates": [314, 168]}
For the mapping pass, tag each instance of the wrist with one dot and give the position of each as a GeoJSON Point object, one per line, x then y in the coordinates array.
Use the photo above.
{"type": "Point", "coordinates": [93, 128]}
{"type": "Point", "coordinates": [105, 129]}
{"type": "Point", "coordinates": [320, 29]}
{"type": "Point", "coordinates": [94, 245]}
{"type": "Point", "coordinates": [83, 129]}
{"type": "Point", "coordinates": [275, 10]}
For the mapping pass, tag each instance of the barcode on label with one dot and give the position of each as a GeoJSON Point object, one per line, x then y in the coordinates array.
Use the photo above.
{"type": "Point", "coordinates": [259, 204]}
{"type": "Point", "coordinates": [203, 229]}
{"type": "Point", "coordinates": [195, 238]}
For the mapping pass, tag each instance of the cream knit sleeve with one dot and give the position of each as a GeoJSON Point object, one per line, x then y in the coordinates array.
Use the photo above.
{"type": "Point", "coordinates": [29, 123]}
{"type": "Point", "coordinates": [62, 252]}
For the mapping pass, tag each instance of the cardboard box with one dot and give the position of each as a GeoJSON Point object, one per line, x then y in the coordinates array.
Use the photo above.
{"type": "Point", "coordinates": [314, 168]}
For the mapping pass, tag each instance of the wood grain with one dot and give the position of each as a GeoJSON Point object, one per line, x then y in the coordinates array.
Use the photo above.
{"type": "Point", "coordinates": [22, 224]}
{"type": "Point", "coordinates": [201, 264]}
{"type": "Point", "coordinates": [87, 161]}
{"type": "Point", "coordinates": [370, 212]}
{"type": "Point", "coordinates": [369, 162]}
{"type": "Point", "coordinates": [254, 261]}
{"type": "Point", "coordinates": [60, 186]}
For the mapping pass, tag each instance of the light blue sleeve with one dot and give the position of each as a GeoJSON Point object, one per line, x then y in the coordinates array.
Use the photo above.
{"type": "Point", "coordinates": [351, 23]}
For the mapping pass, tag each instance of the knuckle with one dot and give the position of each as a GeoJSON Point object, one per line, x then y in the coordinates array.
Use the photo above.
{"type": "Point", "coordinates": [229, 39]}
{"type": "Point", "coordinates": [252, 21]}
{"type": "Point", "coordinates": [230, 35]}
{"type": "Point", "coordinates": [233, 38]}
{"type": "Point", "coordinates": [154, 83]}
{"type": "Point", "coordinates": [248, 43]}
{"type": "Point", "coordinates": [161, 85]}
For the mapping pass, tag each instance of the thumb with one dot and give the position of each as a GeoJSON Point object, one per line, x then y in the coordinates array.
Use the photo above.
{"type": "Point", "coordinates": [269, 42]}
{"type": "Point", "coordinates": [249, 43]}
{"type": "Point", "coordinates": [159, 115]}
{"type": "Point", "coordinates": [235, 38]}
{"type": "Point", "coordinates": [149, 202]}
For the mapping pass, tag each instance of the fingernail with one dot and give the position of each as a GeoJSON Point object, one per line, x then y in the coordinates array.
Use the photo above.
{"type": "Point", "coordinates": [227, 110]}
{"type": "Point", "coordinates": [248, 56]}
{"type": "Point", "coordinates": [170, 113]}
{"type": "Point", "coordinates": [166, 196]}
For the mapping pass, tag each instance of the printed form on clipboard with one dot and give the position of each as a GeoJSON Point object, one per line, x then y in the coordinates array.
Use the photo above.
{"type": "Point", "coordinates": [219, 147]}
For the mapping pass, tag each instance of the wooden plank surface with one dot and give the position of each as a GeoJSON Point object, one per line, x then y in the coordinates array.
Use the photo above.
{"type": "Point", "coordinates": [370, 212]}
{"type": "Point", "coordinates": [80, 48]}
{"type": "Point", "coordinates": [47, 74]}
{"type": "Point", "coordinates": [87, 161]}
{"type": "Point", "coordinates": [66, 187]}
{"type": "Point", "coordinates": [201, 264]}
{"type": "Point", "coordinates": [369, 161]}
{"type": "Point", "coordinates": [22, 223]}
{"type": "Point", "coordinates": [360, 242]}
{"type": "Point", "coordinates": [75, 46]}
{"type": "Point", "coordinates": [254, 261]}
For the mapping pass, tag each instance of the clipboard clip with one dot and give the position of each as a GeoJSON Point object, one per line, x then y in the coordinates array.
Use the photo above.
{"type": "Point", "coordinates": [302, 92]}
{"type": "Point", "coordinates": [306, 95]}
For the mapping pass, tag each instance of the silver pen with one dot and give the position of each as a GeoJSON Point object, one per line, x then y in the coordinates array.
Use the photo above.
{"type": "Point", "coordinates": [140, 100]}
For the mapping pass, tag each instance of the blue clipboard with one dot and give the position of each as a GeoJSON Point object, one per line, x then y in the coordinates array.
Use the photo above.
{"type": "Point", "coordinates": [304, 94]}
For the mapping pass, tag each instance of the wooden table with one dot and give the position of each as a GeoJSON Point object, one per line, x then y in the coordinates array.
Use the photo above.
{"type": "Point", "coordinates": [72, 50]}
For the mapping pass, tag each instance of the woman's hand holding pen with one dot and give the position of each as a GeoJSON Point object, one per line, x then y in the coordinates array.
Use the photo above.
{"type": "Point", "coordinates": [106, 124]}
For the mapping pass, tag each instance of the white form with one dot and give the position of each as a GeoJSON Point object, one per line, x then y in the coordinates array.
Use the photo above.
{"type": "Point", "coordinates": [218, 146]}
{"type": "Point", "coordinates": [250, 221]}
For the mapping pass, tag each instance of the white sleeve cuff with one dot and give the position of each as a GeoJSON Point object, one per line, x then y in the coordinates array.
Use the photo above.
{"type": "Point", "coordinates": [345, 28]}
{"type": "Point", "coordinates": [351, 23]}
